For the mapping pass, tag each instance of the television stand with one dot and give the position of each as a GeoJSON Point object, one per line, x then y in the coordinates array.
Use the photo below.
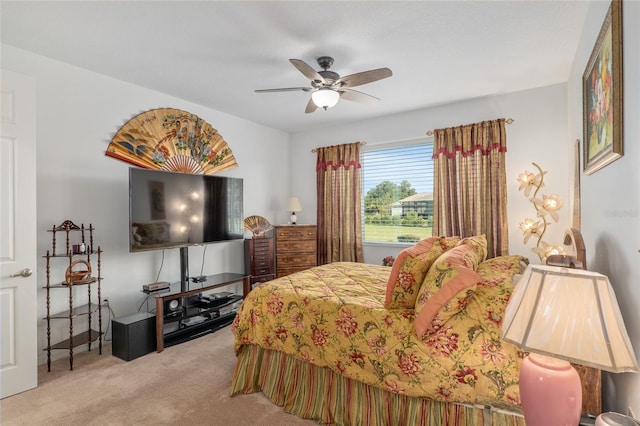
{"type": "Point", "coordinates": [192, 313]}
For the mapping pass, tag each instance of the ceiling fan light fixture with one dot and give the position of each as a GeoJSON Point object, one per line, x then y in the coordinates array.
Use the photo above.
{"type": "Point", "coordinates": [325, 97]}
{"type": "Point", "coordinates": [327, 87]}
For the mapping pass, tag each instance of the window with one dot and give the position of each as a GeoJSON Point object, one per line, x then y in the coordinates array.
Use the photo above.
{"type": "Point", "coordinates": [397, 192]}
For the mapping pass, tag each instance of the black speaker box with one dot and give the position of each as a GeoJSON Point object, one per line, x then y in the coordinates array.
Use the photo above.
{"type": "Point", "coordinates": [133, 336]}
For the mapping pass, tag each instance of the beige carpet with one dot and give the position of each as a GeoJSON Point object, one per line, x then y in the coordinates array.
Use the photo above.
{"type": "Point", "coordinates": [187, 384]}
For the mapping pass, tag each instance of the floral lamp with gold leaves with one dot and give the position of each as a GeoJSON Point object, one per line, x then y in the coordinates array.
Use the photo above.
{"type": "Point", "coordinates": [546, 206]}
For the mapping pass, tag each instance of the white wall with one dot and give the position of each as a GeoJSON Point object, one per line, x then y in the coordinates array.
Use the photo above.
{"type": "Point", "coordinates": [539, 134]}
{"type": "Point", "coordinates": [611, 196]}
{"type": "Point", "coordinates": [78, 112]}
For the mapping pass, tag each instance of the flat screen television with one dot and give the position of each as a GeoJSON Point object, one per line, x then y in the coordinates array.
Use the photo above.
{"type": "Point", "coordinates": [168, 209]}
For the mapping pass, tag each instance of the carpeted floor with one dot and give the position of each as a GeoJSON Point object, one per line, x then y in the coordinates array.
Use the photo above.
{"type": "Point", "coordinates": [187, 384]}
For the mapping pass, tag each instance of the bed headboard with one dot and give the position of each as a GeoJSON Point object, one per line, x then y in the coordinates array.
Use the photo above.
{"type": "Point", "coordinates": [573, 238]}
{"type": "Point", "coordinates": [576, 257]}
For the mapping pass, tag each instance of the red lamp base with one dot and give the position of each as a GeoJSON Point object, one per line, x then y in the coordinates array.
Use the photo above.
{"type": "Point", "coordinates": [550, 392]}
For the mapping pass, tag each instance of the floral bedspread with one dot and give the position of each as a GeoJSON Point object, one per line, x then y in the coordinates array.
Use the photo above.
{"type": "Point", "coordinates": [333, 316]}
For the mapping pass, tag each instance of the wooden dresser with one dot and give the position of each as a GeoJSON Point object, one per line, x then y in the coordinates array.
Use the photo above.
{"type": "Point", "coordinates": [295, 248]}
{"type": "Point", "coordinates": [259, 262]}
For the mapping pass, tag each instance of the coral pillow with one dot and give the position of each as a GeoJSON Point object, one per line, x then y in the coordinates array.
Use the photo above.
{"type": "Point", "coordinates": [449, 283]}
{"type": "Point", "coordinates": [408, 272]}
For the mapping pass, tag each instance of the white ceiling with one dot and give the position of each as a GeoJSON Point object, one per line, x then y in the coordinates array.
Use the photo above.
{"type": "Point", "coordinates": [215, 53]}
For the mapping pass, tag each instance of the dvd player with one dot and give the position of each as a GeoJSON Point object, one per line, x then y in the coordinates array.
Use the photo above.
{"type": "Point", "coordinates": [160, 285]}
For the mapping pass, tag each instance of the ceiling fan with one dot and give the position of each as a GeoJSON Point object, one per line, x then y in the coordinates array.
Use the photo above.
{"type": "Point", "coordinates": [327, 87]}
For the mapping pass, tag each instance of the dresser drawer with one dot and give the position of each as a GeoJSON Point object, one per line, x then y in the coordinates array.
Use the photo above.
{"type": "Point", "coordinates": [262, 265]}
{"type": "Point", "coordinates": [259, 279]}
{"type": "Point", "coordinates": [262, 244]}
{"type": "Point", "coordinates": [287, 261]}
{"type": "Point", "coordinates": [261, 262]}
{"type": "Point", "coordinates": [294, 233]}
{"type": "Point", "coordinates": [259, 256]}
{"type": "Point", "coordinates": [293, 247]}
{"type": "Point", "coordinates": [261, 251]}
{"type": "Point", "coordinates": [262, 270]}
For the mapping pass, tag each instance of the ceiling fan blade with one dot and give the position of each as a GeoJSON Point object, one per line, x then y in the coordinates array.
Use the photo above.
{"type": "Point", "coordinates": [357, 96]}
{"type": "Point", "coordinates": [311, 107]}
{"type": "Point", "coordinates": [307, 70]}
{"type": "Point", "coordinates": [364, 77]}
{"type": "Point", "coordinates": [284, 89]}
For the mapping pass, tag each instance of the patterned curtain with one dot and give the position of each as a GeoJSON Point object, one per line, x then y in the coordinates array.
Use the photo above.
{"type": "Point", "coordinates": [470, 186]}
{"type": "Point", "coordinates": [339, 211]}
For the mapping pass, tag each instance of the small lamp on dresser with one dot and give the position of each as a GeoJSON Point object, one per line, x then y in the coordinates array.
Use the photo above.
{"type": "Point", "coordinates": [559, 316]}
{"type": "Point", "coordinates": [293, 206]}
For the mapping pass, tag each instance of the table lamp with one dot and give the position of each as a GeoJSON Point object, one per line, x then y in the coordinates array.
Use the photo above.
{"type": "Point", "coordinates": [559, 316]}
{"type": "Point", "coordinates": [293, 206]}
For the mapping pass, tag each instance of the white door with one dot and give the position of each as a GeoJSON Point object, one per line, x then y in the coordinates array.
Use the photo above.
{"type": "Point", "coordinates": [18, 244]}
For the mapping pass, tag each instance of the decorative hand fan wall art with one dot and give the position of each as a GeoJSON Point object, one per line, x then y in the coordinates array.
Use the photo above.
{"type": "Point", "coordinates": [173, 140]}
{"type": "Point", "coordinates": [258, 225]}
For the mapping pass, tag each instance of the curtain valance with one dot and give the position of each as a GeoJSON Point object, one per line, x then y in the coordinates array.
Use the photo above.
{"type": "Point", "coordinates": [339, 156]}
{"type": "Point", "coordinates": [468, 139]}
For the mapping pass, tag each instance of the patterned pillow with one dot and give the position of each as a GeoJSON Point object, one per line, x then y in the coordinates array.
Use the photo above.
{"type": "Point", "coordinates": [493, 272]}
{"type": "Point", "coordinates": [446, 289]}
{"type": "Point", "coordinates": [448, 243]}
{"type": "Point", "coordinates": [408, 272]}
{"type": "Point", "coordinates": [478, 254]}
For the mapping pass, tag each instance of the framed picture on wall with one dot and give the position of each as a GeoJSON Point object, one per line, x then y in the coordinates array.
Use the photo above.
{"type": "Point", "coordinates": [602, 95]}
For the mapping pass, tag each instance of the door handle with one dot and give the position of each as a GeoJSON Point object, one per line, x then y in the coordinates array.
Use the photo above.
{"type": "Point", "coordinates": [25, 273]}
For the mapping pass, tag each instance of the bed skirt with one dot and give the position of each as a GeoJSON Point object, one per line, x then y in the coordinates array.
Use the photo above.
{"type": "Point", "coordinates": [319, 394]}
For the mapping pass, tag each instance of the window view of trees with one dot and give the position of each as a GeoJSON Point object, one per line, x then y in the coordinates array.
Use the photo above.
{"type": "Point", "coordinates": [379, 200]}
{"type": "Point", "coordinates": [393, 209]}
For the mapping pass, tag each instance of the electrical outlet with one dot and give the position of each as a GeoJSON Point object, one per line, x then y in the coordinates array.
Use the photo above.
{"type": "Point", "coordinates": [631, 414]}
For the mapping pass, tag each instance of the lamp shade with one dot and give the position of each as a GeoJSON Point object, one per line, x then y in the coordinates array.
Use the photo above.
{"type": "Point", "coordinates": [293, 205]}
{"type": "Point", "coordinates": [325, 97]}
{"type": "Point", "coordinates": [569, 314]}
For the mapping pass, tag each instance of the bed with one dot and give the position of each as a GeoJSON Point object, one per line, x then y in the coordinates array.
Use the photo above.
{"type": "Point", "coordinates": [417, 343]}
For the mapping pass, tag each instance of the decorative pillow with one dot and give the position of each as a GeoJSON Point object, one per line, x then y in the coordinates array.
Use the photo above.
{"type": "Point", "coordinates": [449, 283]}
{"type": "Point", "coordinates": [448, 243]}
{"type": "Point", "coordinates": [495, 271]}
{"type": "Point", "coordinates": [408, 272]}
{"type": "Point", "coordinates": [478, 254]}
